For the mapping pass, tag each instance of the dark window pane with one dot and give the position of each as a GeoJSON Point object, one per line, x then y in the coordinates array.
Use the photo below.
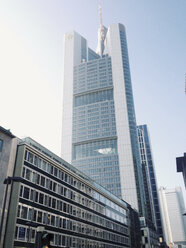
{"type": "Point", "coordinates": [22, 232]}
{"type": "Point", "coordinates": [39, 216]}
{"type": "Point", "coordinates": [41, 198]}
{"type": "Point", "coordinates": [26, 193]}
{"type": "Point", "coordinates": [24, 212]}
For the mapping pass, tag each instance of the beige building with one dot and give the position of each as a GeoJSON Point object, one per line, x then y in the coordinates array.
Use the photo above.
{"type": "Point", "coordinates": [8, 146]}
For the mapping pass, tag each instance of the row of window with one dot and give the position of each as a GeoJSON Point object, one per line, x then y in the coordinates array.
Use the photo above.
{"type": "Point", "coordinates": [101, 63]}
{"type": "Point", "coordinates": [57, 188]}
{"type": "Point", "coordinates": [80, 112]}
{"type": "Point", "coordinates": [60, 189]}
{"type": "Point", "coordinates": [72, 181]}
{"type": "Point", "coordinates": [106, 161]}
{"type": "Point", "coordinates": [92, 72]}
{"type": "Point", "coordinates": [25, 233]}
{"type": "Point", "coordinates": [56, 172]}
{"type": "Point", "coordinates": [35, 215]}
{"type": "Point", "coordinates": [99, 96]}
{"type": "Point", "coordinates": [97, 148]}
{"type": "Point", "coordinates": [82, 85]}
{"type": "Point", "coordinates": [82, 135]}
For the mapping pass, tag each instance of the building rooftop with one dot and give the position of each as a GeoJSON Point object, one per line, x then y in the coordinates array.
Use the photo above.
{"type": "Point", "coordinates": [7, 132]}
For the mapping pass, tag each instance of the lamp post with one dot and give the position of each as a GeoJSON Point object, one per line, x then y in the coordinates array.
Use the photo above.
{"type": "Point", "coordinates": [7, 181]}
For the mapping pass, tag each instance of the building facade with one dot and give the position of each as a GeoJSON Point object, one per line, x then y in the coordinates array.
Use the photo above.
{"type": "Point", "coordinates": [149, 178]}
{"type": "Point", "coordinates": [99, 134]}
{"type": "Point", "coordinates": [53, 194]}
{"type": "Point", "coordinates": [181, 166]}
{"type": "Point", "coordinates": [8, 146]}
{"type": "Point", "coordinates": [174, 222]}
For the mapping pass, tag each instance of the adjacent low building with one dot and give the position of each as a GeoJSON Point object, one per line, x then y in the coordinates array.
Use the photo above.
{"type": "Point", "coordinates": [73, 208]}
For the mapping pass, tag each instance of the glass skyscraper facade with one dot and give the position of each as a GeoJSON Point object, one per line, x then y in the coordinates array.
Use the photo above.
{"type": "Point", "coordinates": [94, 124]}
{"type": "Point", "coordinates": [99, 134]}
{"type": "Point", "coordinates": [149, 178]}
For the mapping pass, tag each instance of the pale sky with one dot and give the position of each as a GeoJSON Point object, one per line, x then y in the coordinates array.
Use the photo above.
{"type": "Point", "coordinates": [31, 62]}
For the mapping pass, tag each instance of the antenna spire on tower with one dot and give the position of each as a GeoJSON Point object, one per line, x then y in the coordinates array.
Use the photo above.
{"type": "Point", "coordinates": [100, 16]}
{"type": "Point", "coordinates": [102, 36]}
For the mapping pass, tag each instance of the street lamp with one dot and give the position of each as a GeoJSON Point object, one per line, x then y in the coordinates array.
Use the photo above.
{"type": "Point", "coordinates": [7, 181]}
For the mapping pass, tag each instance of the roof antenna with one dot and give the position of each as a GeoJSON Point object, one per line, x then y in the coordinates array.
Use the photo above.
{"type": "Point", "coordinates": [101, 34]}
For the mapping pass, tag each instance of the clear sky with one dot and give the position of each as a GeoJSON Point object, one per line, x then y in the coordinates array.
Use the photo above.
{"type": "Point", "coordinates": [31, 62]}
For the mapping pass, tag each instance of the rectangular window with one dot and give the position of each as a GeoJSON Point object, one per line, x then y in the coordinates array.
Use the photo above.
{"type": "Point", "coordinates": [39, 162]}
{"type": "Point", "coordinates": [55, 172]}
{"type": "Point", "coordinates": [30, 214]}
{"type": "Point", "coordinates": [24, 211]}
{"type": "Point", "coordinates": [44, 164]}
{"type": "Point", "coordinates": [54, 186]}
{"type": "Point", "coordinates": [34, 176]}
{"type": "Point", "coordinates": [46, 200]}
{"type": "Point", "coordinates": [30, 157]}
{"type": "Point", "coordinates": [22, 232]}
{"type": "Point", "coordinates": [1, 145]}
{"type": "Point", "coordinates": [49, 201]}
{"type": "Point", "coordinates": [50, 185]}
{"type": "Point", "coordinates": [44, 218]}
{"type": "Point", "coordinates": [26, 153]}
{"type": "Point", "coordinates": [52, 220]}
{"type": "Point", "coordinates": [42, 181]}
{"type": "Point", "coordinates": [28, 174]}
{"type": "Point", "coordinates": [18, 210]}
{"type": "Point", "coordinates": [26, 193]}
{"type": "Point", "coordinates": [36, 160]}
{"type": "Point", "coordinates": [34, 214]}
{"type": "Point", "coordinates": [41, 198]}
{"type": "Point", "coordinates": [49, 217]}
{"type": "Point", "coordinates": [53, 203]}
{"type": "Point", "coordinates": [36, 196]}
{"type": "Point", "coordinates": [38, 179]}
{"type": "Point", "coordinates": [39, 216]}
{"type": "Point", "coordinates": [16, 231]}
{"type": "Point", "coordinates": [47, 183]}
{"type": "Point", "coordinates": [57, 221]}
{"type": "Point", "coordinates": [31, 195]}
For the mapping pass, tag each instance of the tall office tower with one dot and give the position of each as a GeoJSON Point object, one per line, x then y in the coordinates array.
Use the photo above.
{"type": "Point", "coordinates": [174, 222]}
{"type": "Point", "coordinates": [149, 178]}
{"type": "Point", "coordinates": [99, 134]}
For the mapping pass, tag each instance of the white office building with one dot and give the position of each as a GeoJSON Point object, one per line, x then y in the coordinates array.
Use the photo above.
{"type": "Point", "coordinates": [99, 134]}
{"type": "Point", "coordinates": [174, 222]}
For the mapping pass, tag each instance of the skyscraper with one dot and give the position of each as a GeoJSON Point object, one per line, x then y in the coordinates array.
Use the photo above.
{"type": "Point", "coordinates": [174, 222]}
{"type": "Point", "coordinates": [149, 178]}
{"type": "Point", "coordinates": [99, 134]}
{"type": "Point", "coordinates": [181, 166]}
